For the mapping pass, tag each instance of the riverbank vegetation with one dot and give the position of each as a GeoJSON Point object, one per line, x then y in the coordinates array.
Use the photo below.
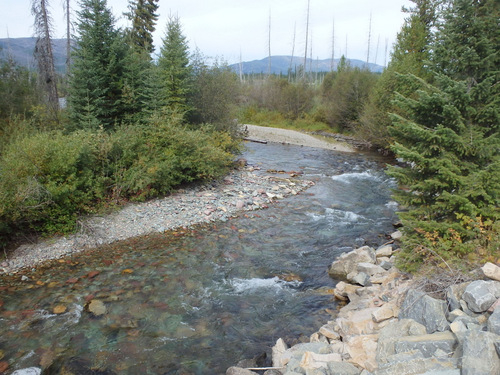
{"type": "Point", "coordinates": [138, 126]}
{"type": "Point", "coordinates": [134, 128]}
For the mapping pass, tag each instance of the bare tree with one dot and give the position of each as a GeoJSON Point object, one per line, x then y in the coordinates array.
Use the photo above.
{"type": "Point", "coordinates": [307, 37]}
{"type": "Point", "coordinates": [369, 40]}
{"type": "Point", "coordinates": [43, 52]}
{"type": "Point", "coordinates": [269, 45]}
{"type": "Point", "coordinates": [67, 10]}
{"type": "Point", "coordinates": [293, 51]}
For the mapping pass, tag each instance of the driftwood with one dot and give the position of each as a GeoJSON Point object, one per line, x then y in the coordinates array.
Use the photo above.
{"type": "Point", "coordinates": [255, 140]}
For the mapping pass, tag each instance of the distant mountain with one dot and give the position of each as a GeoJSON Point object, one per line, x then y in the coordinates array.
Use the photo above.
{"type": "Point", "coordinates": [281, 65]}
{"type": "Point", "coordinates": [21, 50]}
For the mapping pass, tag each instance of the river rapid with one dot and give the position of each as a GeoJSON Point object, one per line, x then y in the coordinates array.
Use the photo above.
{"type": "Point", "coordinates": [197, 301]}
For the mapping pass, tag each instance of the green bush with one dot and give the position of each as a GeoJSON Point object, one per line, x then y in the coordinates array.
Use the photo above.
{"type": "Point", "coordinates": [48, 179]}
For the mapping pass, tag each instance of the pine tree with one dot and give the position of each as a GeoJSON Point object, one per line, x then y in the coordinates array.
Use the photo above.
{"type": "Point", "coordinates": [409, 56]}
{"type": "Point", "coordinates": [449, 136]}
{"type": "Point", "coordinates": [143, 16]}
{"type": "Point", "coordinates": [174, 67]}
{"type": "Point", "coordinates": [97, 73]}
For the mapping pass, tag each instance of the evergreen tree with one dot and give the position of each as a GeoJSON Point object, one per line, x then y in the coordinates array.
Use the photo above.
{"type": "Point", "coordinates": [96, 81]}
{"type": "Point", "coordinates": [449, 136]}
{"type": "Point", "coordinates": [409, 56]}
{"type": "Point", "coordinates": [143, 16]}
{"type": "Point", "coordinates": [174, 67]}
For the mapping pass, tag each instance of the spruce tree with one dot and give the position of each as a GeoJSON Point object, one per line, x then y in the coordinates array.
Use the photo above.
{"type": "Point", "coordinates": [449, 137]}
{"type": "Point", "coordinates": [174, 67]}
{"type": "Point", "coordinates": [96, 80]}
{"type": "Point", "coordinates": [143, 16]}
{"type": "Point", "coordinates": [409, 56]}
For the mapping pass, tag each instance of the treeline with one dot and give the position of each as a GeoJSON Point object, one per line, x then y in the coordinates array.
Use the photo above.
{"type": "Point", "coordinates": [133, 127]}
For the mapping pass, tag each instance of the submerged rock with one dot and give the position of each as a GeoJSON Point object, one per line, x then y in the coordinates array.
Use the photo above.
{"type": "Point", "coordinates": [96, 307]}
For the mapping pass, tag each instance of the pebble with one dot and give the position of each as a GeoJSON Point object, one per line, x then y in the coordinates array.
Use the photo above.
{"type": "Point", "coordinates": [241, 190]}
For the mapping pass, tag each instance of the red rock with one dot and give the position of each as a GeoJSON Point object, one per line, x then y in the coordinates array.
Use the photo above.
{"type": "Point", "coordinates": [72, 280]}
{"type": "Point", "coordinates": [4, 365]}
{"type": "Point", "coordinates": [107, 262]}
{"type": "Point", "coordinates": [93, 274]}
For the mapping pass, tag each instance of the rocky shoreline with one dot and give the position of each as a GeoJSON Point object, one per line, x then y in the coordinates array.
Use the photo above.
{"type": "Point", "coordinates": [244, 189]}
{"type": "Point", "coordinates": [390, 327]}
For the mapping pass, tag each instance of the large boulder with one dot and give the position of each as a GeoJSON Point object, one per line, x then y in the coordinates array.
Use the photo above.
{"type": "Point", "coordinates": [494, 322]}
{"type": "Point", "coordinates": [425, 310]}
{"type": "Point", "coordinates": [480, 295]}
{"type": "Point", "coordinates": [348, 262]}
{"type": "Point", "coordinates": [394, 330]}
{"type": "Point", "coordinates": [454, 295]}
{"type": "Point", "coordinates": [479, 353]}
{"type": "Point", "coordinates": [427, 344]}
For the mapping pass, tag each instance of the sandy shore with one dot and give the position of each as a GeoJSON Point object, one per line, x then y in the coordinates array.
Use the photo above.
{"type": "Point", "coordinates": [295, 138]}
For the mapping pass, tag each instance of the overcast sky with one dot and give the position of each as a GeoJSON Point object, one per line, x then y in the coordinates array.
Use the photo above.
{"type": "Point", "coordinates": [230, 28]}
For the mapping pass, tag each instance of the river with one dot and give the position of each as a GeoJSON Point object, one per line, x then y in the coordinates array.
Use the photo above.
{"type": "Point", "coordinates": [197, 301]}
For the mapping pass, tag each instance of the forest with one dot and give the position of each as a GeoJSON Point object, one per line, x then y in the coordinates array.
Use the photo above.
{"type": "Point", "coordinates": [128, 123]}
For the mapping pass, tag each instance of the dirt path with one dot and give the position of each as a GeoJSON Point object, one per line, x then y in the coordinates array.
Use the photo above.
{"type": "Point", "coordinates": [294, 137]}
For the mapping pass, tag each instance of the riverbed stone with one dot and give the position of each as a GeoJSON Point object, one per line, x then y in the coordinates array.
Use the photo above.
{"type": "Point", "coordinates": [480, 295]}
{"type": "Point", "coordinates": [454, 295]}
{"type": "Point", "coordinates": [278, 351]}
{"type": "Point", "coordinates": [239, 371]}
{"type": "Point", "coordinates": [348, 262]}
{"type": "Point", "coordinates": [96, 307]}
{"type": "Point", "coordinates": [342, 368]}
{"type": "Point", "coordinates": [426, 310]}
{"type": "Point", "coordinates": [363, 351]}
{"type": "Point", "coordinates": [28, 371]}
{"type": "Point", "coordinates": [427, 344]}
{"type": "Point", "coordinates": [384, 251]}
{"type": "Point", "coordinates": [359, 278]}
{"type": "Point", "coordinates": [491, 271]}
{"type": "Point", "coordinates": [494, 322]}
{"type": "Point", "coordinates": [394, 330]}
{"type": "Point", "coordinates": [370, 269]}
{"type": "Point", "coordinates": [396, 235]}
{"type": "Point", "coordinates": [479, 353]}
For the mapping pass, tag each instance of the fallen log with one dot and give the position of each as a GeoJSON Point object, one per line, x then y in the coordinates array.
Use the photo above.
{"type": "Point", "coordinates": [255, 140]}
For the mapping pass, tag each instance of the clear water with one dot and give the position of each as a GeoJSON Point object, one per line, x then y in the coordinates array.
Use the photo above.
{"type": "Point", "coordinates": [198, 301]}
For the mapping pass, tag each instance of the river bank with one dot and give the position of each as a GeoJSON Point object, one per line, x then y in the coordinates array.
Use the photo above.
{"type": "Point", "coordinates": [241, 190]}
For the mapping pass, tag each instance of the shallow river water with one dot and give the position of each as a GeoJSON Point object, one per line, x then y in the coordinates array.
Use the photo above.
{"type": "Point", "coordinates": [198, 301]}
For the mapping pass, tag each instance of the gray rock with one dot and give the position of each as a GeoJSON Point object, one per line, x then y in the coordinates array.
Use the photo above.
{"type": "Point", "coordinates": [427, 344]}
{"type": "Point", "coordinates": [317, 371]}
{"type": "Point", "coordinates": [297, 351]}
{"type": "Point", "coordinates": [384, 251]}
{"type": "Point", "coordinates": [370, 269]}
{"type": "Point", "coordinates": [342, 368]}
{"type": "Point", "coordinates": [479, 354]}
{"type": "Point", "coordinates": [454, 295]}
{"type": "Point", "coordinates": [425, 310]}
{"type": "Point", "coordinates": [386, 265]}
{"type": "Point", "coordinates": [28, 371]}
{"type": "Point", "coordinates": [494, 322]}
{"type": "Point", "coordinates": [273, 372]}
{"type": "Point", "coordinates": [359, 278]}
{"type": "Point", "coordinates": [348, 262]}
{"type": "Point", "coordinates": [480, 295]}
{"type": "Point", "coordinates": [419, 366]}
{"type": "Point", "coordinates": [239, 371]}
{"type": "Point", "coordinates": [390, 333]}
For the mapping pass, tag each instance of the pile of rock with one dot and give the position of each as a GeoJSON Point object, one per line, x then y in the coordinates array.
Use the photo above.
{"type": "Point", "coordinates": [389, 328]}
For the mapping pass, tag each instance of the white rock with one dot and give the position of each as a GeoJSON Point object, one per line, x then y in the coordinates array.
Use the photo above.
{"type": "Point", "coordinates": [384, 251]}
{"type": "Point", "coordinates": [491, 271]}
{"type": "Point", "coordinates": [278, 350]}
{"type": "Point", "coordinates": [397, 235]}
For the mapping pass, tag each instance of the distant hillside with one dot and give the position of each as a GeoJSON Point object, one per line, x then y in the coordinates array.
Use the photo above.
{"type": "Point", "coordinates": [21, 50]}
{"type": "Point", "coordinates": [281, 65]}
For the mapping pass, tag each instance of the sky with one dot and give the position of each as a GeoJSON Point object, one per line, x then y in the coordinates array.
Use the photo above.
{"type": "Point", "coordinates": [239, 29]}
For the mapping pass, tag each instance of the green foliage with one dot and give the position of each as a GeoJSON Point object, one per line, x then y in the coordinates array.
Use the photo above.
{"type": "Point", "coordinates": [449, 135]}
{"type": "Point", "coordinates": [344, 94]}
{"type": "Point", "coordinates": [409, 56]}
{"type": "Point", "coordinates": [143, 16]}
{"type": "Point", "coordinates": [97, 73]}
{"type": "Point", "coordinates": [48, 179]}
{"type": "Point", "coordinates": [215, 91]}
{"type": "Point", "coordinates": [174, 67]}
